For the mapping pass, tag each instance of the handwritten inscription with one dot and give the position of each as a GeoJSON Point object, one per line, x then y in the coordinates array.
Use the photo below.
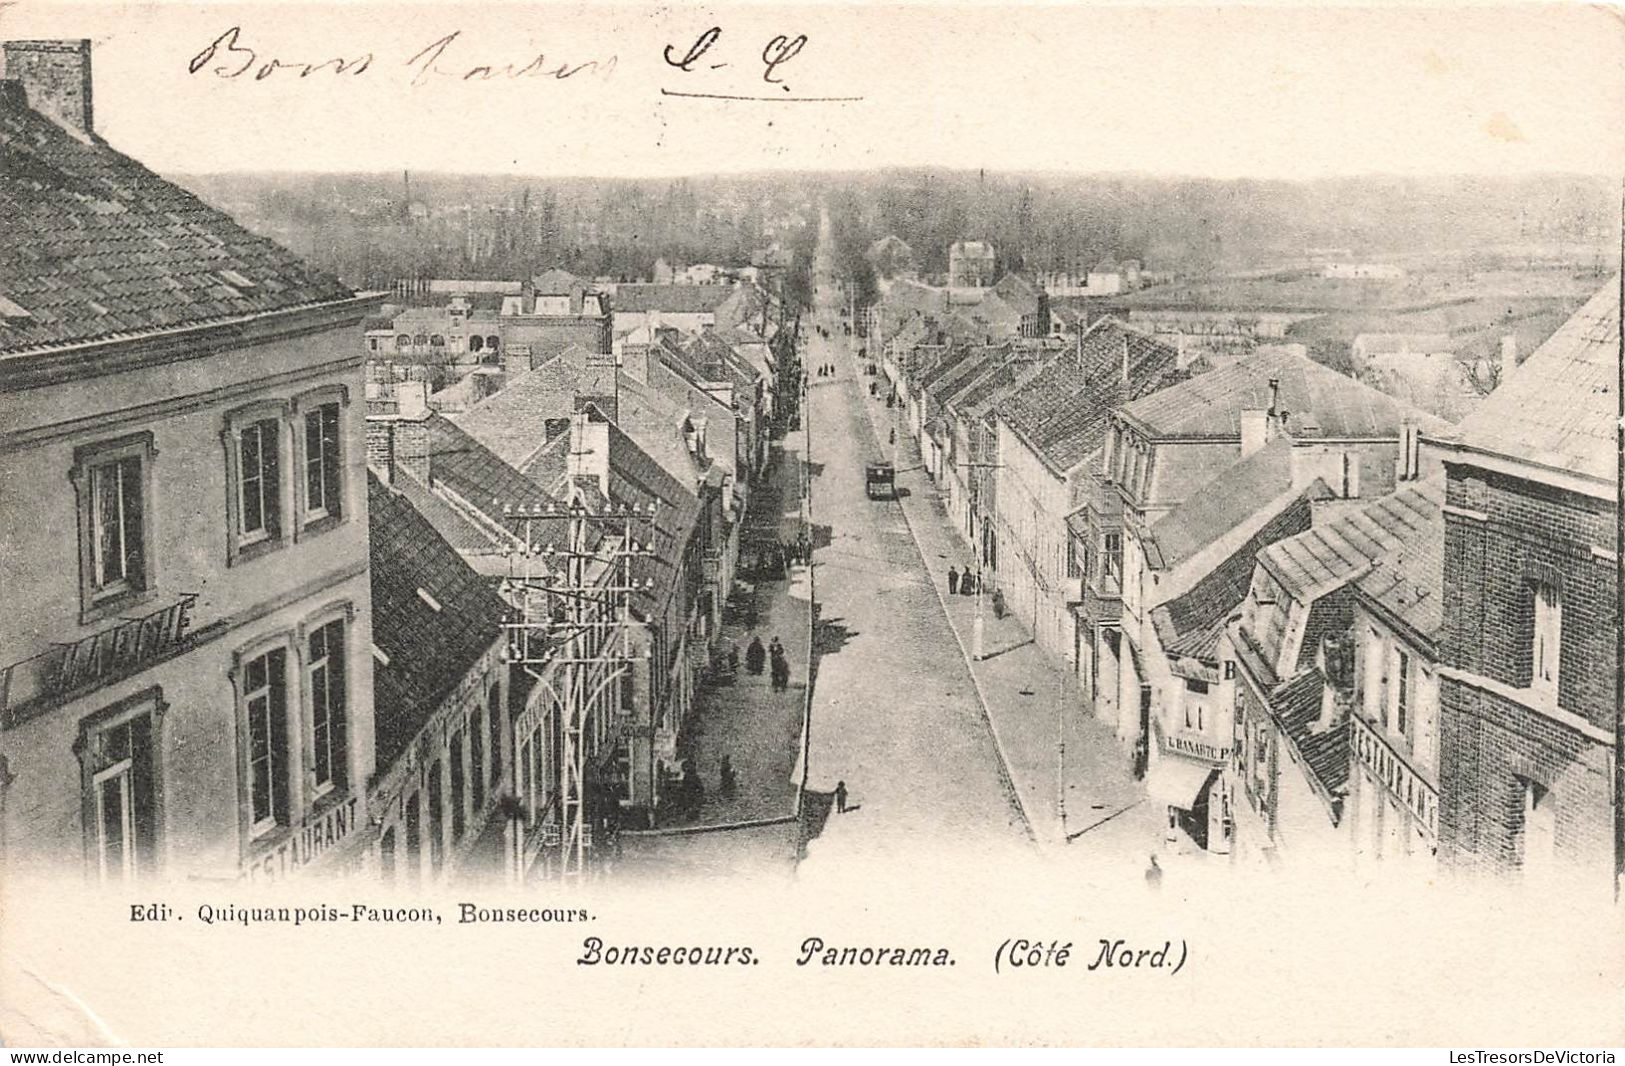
{"type": "Point", "coordinates": [229, 57]}
{"type": "Point", "coordinates": [703, 56]}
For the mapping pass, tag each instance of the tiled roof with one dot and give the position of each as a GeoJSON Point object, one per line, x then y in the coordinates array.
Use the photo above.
{"type": "Point", "coordinates": [1190, 625]}
{"type": "Point", "coordinates": [430, 651]}
{"type": "Point", "coordinates": [1558, 408]}
{"type": "Point", "coordinates": [1018, 292]}
{"type": "Point", "coordinates": [477, 475]}
{"type": "Point", "coordinates": [1392, 549]}
{"type": "Point", "coordinates": [460, 531]}
{"type": "Point", "coordinates": [636, 479]}
{"type": "Point", "coordinates": [1228, 501]}
{"type": "Point", "coordinates": [512, 421]}
{"type": "Point", "coordinates": [1064, 410]}
{"type": "Point", "coordinates": [95, 246]}
{"type": "Point", "coordinates": [1323, 750]}
{"type": "Point", "coordinates": [1210, 404]}
{"type": "Point", "coordinates": [673, 299]}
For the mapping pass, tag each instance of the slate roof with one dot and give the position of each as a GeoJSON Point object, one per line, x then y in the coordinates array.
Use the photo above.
{"type": "Point", "coordinates": [1392, 549]}
{"type": "Point", "coordinates": [1209, 405]}
{"type": "Point", "coordinates": [1229, 500]}
{"type": "Point", "coordinates": [555, 282]}
{"type": "Point", "coordinates": [94, 246]}
{"type": "Point", "coordinates": [429, 651]}
{"type": "Point", "coordinates": [1190, 625]}
{"type": "Point", "coordinates": [1323, 752]}
{"type": "Point", "coordinates": [1064, 410]}
{"type": "Point", "coordinates": [1558, 408]}
{"type": "Point", "coordinates": [673, 299]}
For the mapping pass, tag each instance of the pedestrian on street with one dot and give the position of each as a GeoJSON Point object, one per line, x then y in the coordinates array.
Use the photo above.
{"type": "Point", "coordinates": [891, 434]}
{"type": "Point", "coordinates": [953, 581]}
{"type": "Point", "coordinates": [1153, 875]}
{"type": "Point", "coordinates": [840, 797]}
{"type": "Point", "coordinates": [967, 584]}
{"type": "Point", "coordinates": [755, 655]}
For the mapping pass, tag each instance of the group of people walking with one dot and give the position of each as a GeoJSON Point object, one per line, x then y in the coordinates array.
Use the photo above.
{"type": "Point", "coordinates": [961, 584]}
{"type": "Point", "coordinates": [776, 660]}
{"type": "Point", "coordinates": [826, 370]}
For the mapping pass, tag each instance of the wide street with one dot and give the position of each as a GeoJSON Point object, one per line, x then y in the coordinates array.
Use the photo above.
{"type": "Point", "coordinates": [895, 712]}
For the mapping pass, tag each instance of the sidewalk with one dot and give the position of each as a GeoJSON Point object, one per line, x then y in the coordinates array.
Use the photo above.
{"type": "Point", "coordinates": [757, 728]}
{"type": "Point", "coordinates": [1032, 701]}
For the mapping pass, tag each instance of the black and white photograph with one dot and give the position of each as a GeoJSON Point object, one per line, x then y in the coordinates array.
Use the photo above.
{"type": "Point", "coordinates": [543, 524]}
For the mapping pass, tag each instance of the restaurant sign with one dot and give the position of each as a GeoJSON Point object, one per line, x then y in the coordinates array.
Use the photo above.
{"type": "Point", "coordinates": [314, 838]}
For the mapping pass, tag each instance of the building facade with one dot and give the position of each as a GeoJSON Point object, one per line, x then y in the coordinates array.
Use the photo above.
{"type": "Point", "coordinates": [184, 666]}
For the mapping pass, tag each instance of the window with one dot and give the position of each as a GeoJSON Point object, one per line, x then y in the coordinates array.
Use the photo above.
{"type": "Point", "coordinates": [254, 443]}
{"type": "Point", "coordinates": [1074, 568]}
{"type": "Point", "coordinates": [437, 341]}
{"type": "Point", "coordinates": [1373, 673]}
{"type": "Point", "coordinates": [403, 341]}
{"type": "Point", "coordinates": [386, 855]}
{"type": "Point", "coordinates": [420, 339]}
{"type": "Point", "coordinates": [324, 468]}
{"type": "Point", "coordinates": [1198, 687]}
{"type": "Point", "coordinates": [1548, 637]}
{"type": "Point", "coordinates": [475, 343]}
{"type": "Point", "coordinates": [372, 343]}
{"type": "Point", "coordinates": [491, 342]}
{"type": "Point", "coordinates": [493, 714]}
{"type": "Point", "coordinates": [112, 483]}
{"type": "Point", "coordinates": [476, 761]}
{"type": "Point", "coordinates": [328, 707]}
{"type": "Point", "coordinates": [1539, 828]}
{"type": "Point", "coordinates": [437, 816]}
{"type": "Point", "coordinates": [458, 776]}
{"type": "Point", "coordinates": [1402, 692]}
{"type": "Point", "coordinates": [259, 482]}
{"type": "Point", "coordinates": [265, 698]}
{"type": "Point", "coordinates": [414, 836]}
{"type": "Point", "coordinates": [118, 754]}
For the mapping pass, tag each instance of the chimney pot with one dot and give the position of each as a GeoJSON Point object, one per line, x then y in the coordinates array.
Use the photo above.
{"type": "Point", "coordinates": [55, 75]}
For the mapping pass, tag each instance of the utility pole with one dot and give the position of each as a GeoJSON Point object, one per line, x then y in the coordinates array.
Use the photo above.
{"type": "Point", "coordinates": [565, 616]}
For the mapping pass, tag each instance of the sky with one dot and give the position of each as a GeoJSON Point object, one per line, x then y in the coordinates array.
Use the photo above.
{"type": "Point", "coordinates": [1281, 91]}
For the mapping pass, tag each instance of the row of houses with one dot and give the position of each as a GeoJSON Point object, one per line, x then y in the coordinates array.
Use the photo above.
{"type": "Point", "coordinates": [271, 611]}
{"type": "Point", "coordinates": [1310, 611]}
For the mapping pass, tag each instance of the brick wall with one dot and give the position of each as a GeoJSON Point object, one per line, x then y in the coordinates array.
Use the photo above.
{"type": "Point", "coordinates": [1488, 747]}
{"type": "Point", "coordinates": [1490, 744]}
{"type": "Point", "coordinates": [56, 77]}
{"type": "Point", "coordinates": [1532, 532]}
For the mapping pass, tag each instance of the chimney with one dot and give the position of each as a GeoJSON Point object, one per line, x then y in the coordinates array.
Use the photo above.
{"type": "Point", "coordinates": [1275, 396]}
{"type": "Point", "coordinates": [413, 399]}
{"type": "Point", "coordinates": [56, 77]}
{"type": "Point", "coordinates": [1254, 431]}
{"type": "Point", "coordinates": [1509, 355]}
{"type": "Point", "coordinates": [1410, 451]}
{"type": "Point", "coordinates": [589, 450]}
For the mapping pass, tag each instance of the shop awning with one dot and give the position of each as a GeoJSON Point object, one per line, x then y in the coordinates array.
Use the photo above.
{"type": "Point", "coordinates": [1178, 782]}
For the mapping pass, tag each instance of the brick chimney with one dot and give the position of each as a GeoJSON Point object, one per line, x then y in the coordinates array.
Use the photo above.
{"type": "Point", "coordinates": [1255, 431]}
{"type": "Point", "coordinates": [56, 77]}
{"type": "Point", "coordinates": [589, 450]}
